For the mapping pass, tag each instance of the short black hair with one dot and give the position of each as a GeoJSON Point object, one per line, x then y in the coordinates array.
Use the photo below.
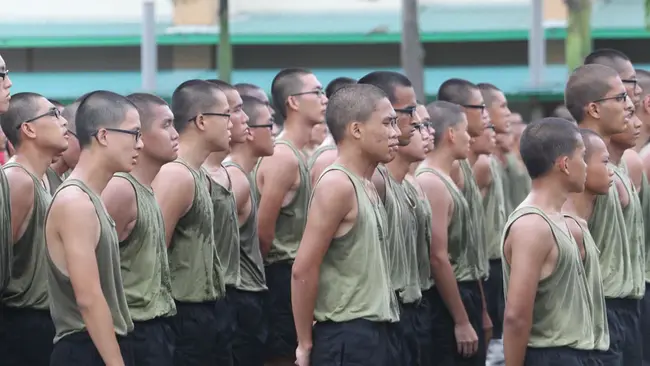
{"type": "Point", "coordinates": [70, 115]}
{"type": "Point", "coordinates": [285, 83]}
{"type": "Point", "coordinates": [351, 103]}
{"type": "Point", "coordinates": [224, 86]}
{"type": "Point", "coordinates": [386, 81]}
{"type": "Point", "coordinates": [22, 106]}
{"type": "Point", "coordinates": [336, 84]}
{"type": "Point", "coordinates": [586, 84]}
{"type": "Point", "coordinates": [606, 57]}
{"type": "Point", "coordinates": [247, 89]}
{"type": "Point", "coordinates": [457, 91]}
{"type": "Point", "coordinates": [643, 78]}
{"type": "Point", "coordinates": [190, 99]}
{"type": "Point", "coordinates": [587, 139]}
{"type": "Point", "coordinates": [443, 116]}
{"type": "Point", "coordinates": [487, 91]}
{"type": "Point", "coordinates": [251, 108]}
{"type": "Point", "coordinates": [544, 141]}
{"type": "Point", "coordinates": [143, 103]}
{"type": "Point", "coordinates": [100, 109]}
{"type": "Point", "coordinates": [56, 103]}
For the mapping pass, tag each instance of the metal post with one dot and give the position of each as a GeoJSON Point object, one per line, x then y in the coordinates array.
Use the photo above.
{"type": "Point", "coordinates": [148, 47]}
{"type": "Point", "coordinates": [412, 54]}
{"type": "Point", "coordinates": [537, 45]}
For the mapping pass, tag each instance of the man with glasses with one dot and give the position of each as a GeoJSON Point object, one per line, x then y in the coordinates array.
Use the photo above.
{"type": "Point", "coordinates": [130, 201]}
{"type": "Point", "coordinates": [597, 99]}
{"type": "Point", "coordinates": [87, 299]}
{"type": "Point", "coordinates": [63, 164]}
{"type": "Point", "coordinates": [284, 187]}
{"type": "Point", "coordinates": [38, 132]}
{"type": "Point", "coordinates": [202, 118]}
{"type": "Point", "coordinates": [247, 300]}
{"type": "Point", "coordinates": [250, 90]}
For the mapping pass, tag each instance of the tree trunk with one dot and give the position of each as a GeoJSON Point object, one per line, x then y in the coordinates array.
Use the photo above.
{"type": "Point", "coordinates": [412, 54]}
{"type": "Point", "coordinates": [225, 48]}
{"type": "Point", "coordinates": [578, 43]}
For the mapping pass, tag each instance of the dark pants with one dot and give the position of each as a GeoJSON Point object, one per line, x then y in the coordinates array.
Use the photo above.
{"type": "Point", "coordinates": [226, 316]}
{"type": "Point", "coordinates": [26, 337]}
{"type": "Point", "coordinates": [444, 349]}
{"type": "Point", "coordinates": [562, 356]}
{"type": "Point", "coordinates": [424, 329]}
{"type": "Point", "coordinates": [153, 342]}
{"type": "Point", "coordinates": [408, 322]}
{"type": "Point", "coordinates": [356, 343]}
{"type": "Point", "coordinates": [645, 324]}
{"type": "Point", "coordinates": [494, 297]}
{"type": "Point", "coordinates": [625, 341]}
{"type": "Point", "coordinates": [282, 341]}
{"type": "Point", "coordinates": [79, 349]}
{"type": "Point", "coordinates": [252, 328]}
{"type": "Point", "coordinates": [197, 328]}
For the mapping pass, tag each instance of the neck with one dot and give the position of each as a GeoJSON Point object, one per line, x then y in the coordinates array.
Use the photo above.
{"type": "Point", "coordinates": [244, 157]}
{"type": "Point", "coordinates": [193, 151]}
{"type": "Point", "coordinates": [356, 162]}
{"type": "Point", "coordinates": [413, 167]}
{"type": "Point", "coordinates": [297, 131]}
{"type": "Point", "coordinates": [472, 158]}
{"type": "Point", "coordinates": [595, 126]}
{"type": "Point", "coordinates": [60, 166]}
{"type": "Point", "coordinates": [615, 152]}
{"type": "Point", "coordinates": [399, 167]}
{"type": "Point", "coordinates": [34, 160]}
{"type": "Point", "coordinates": [547, 196]}
{"type": "Point", "coordinates": [440, 159]}
{"type": "Point", "coordinates": [215, 159]}
{"type": "Point", "coordinates": [91, 170]}
{"type": "Point", "coordinates": [580, 204]}
{"type": "Point", "coordinates": [146, 170]}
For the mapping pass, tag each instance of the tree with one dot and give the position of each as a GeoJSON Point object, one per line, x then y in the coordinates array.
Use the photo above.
{"type": "Point", "coordinates": [412, 54]}
{"type": "Point", "coordinates": [225, 48]}
{"type": "Point", "coordinates": [578, 43]}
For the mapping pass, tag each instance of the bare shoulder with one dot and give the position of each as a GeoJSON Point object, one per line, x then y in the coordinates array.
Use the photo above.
{"type": "Point", "coordinates": [20, 182]}
{"type": "Point", "coordinates": [283, 159]}
{"type": "Point", "coordinates": [173, 175]}
{"type": "Point", "coordinates": [118, 191]}
{"type": "Point", "coordinates": [530, 230]}
{"type": "Point", "coordinates": [635, 166]}
{"type": "Point", "coordinates": [336, 184]}
{"type": "Point", "coordinates": [73, 204]}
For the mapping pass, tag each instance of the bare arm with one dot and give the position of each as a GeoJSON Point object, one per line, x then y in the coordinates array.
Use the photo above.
{"type": "Point", "coordinates": [380, 185]}
{"type": "Point", "coordinates": [325, 159]}
{"type": "Point", "coordinates": [241, 191]}
{"type": "Point", "coordinates": [634, 167]}
{"type": "Point", "coordinates": [21, 200]}
{"type": "Point", "coordinates": [120, 202]}
{"type": "Point", "coordinates": [328, 209]}
{"type": "Point", "coordinates": [279, 173]}
{"type": "Point", "coordinates": [483, 173]}
{"type": "Point", "coordinates": [79, 230]}
{"type": "Point", "coordinates": [174, 190]}
{"type": "Point", "coordinates": [527, 247]}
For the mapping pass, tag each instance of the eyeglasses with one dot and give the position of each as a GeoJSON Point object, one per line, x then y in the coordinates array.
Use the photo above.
{"type": "Point", "coordinates": [619, 98]}
{"type": "Point", "coordinates": [634, 82]}
{"type": "Point", "coordinates": [54, 112]}
{"type": "Point", "coordinates": [490, 127]}
{"type": "Point", "coordinates": [269, 126]}
{"type": "Point", "coordinates": [417, 126]}
{"type": "Point", "coordinates": [137, 134]}
{"type": "Point", "coordinates": [227, 115]}
{"type": "Point", "coordinates": [475, 106]}
{"type": "Point", "coordinates": [317, 92]}
{"type": "Point", "coordinates": [408, 110]}
{"type": "Point", "coordinates": [4, 74]}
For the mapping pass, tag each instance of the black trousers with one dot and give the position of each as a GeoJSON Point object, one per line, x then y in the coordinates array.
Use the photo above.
{"type": "Point", "coordinates": [26, 337]}
{"type": "Point", "coordinates": [645, 325]}
{"type": "Point", "coordinates": [625, 340]}
{"type": "Point", "coordinates": [79, 349]}
{"type": "Point", "coordinates": [153, 342]}
{"type": "Point", "coordinates": [252, 328]}
{"type": "Point", "coordinates": [356, 343]}
{"type": "Point", "coordinates": [282, 339]}
{"type": "Point", "coordinates": [562, 356]}
{"type": "Point", "coordinates": [494, 297]}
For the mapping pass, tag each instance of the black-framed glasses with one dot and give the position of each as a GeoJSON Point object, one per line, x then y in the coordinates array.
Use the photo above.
{"type": "Point", "coordinates": [137, 134]}
{"type": "Point", "coordinates": [490, 127]}
{"type": "Point", "coordinates": [227, 115]}
{"type": "Point", "coordinates": [634, 82]}
{"type": "Point", "coordinates": [482, 107]}
{"type": "Point", "coordinates": [4, 74]}
{"type": "Point", "coordinates": [53, 112]}
{"type": "Point", "coordinates": [317, 92]}
{"type": "Point", "coordinates": [618, 97]}
{"type": "Point", "coordinates": [410, 111]}
{"type": "Point", "coordinates": [268, 125]}
{"type": "Point", "coordinates": [417, 126]}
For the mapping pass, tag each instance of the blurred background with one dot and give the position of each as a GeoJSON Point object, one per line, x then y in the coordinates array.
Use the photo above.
{"type": "Point", "coordinates": [65, 48]}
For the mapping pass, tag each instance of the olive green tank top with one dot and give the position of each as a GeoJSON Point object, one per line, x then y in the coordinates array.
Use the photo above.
{"type": "Point", "coordinates": [318, 152]}
{"type": "Point", "coordinates": [594, 289]}
{"type": "Point", "coordinates": [226, 230]}
{"type": "Point", "coordinates": [251, 262]}
{"type": "Point", "coordinates": [53, 179]}
{"type": "Point", "coordinates": [143, 258]}
{"type": "Point", "coordinates": [354, 279]}
{"type": "Point", "coordinates": [474, 198]}
{"type": "Point", "coordinates": [645, 205]}
{"type": "Point", "coordinates": [423, 245]}
{"type": "Point", "coordinates": [562, 310]}
{"type": "Point", "coordinates": [494, 208]}
{"type": "Point", "coordinates": [462, 255]}
{"type": "Point", "coordinates": [633, 216]}
{"type": "Point", "coordinates": [28, 284]}
{"type": "Point", "coordinates": [518, 183]}
{"type": "Point", "coordinates": [409, 228]}
{"type": "Point", "coordinates": [193, 260]}
{"type": "Point", "coordinates": [6, 247]}
{"type": "Point", "coordinates": [292, 219]}
{"type": "Point", "coordinates": [63, 304]}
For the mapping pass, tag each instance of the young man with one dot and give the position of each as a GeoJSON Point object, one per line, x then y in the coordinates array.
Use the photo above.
{"type": "Point", "coordinates": [596, 97]}
{"type": "Point", "coordinates": [284, 187]}
{"type": "Point", "coordinates": [63, 164]}
{"type": "Point", "coordinates": [456, 304]}
{"type": "Point", "coordinates": [248, 299]}
{"type": "Point", "coordinates": [250, 90]}
{"type": "Point", "coordinates": [130, 201]}
{"type": "Point", "coordinates": [37, 130]}
{"type": "Point", "coordinates": [87, 301]}
{"type": "Point", "coordinates": [182, 189]}
{"type": "Point", "coordinates": [340, 277]}
{"type": "Point", "coordinates": [577, 211]}
{"type": "Point", "coordinates": [517, 179]}
{"type": "Point", "coordinates": [5, 213]}
{"type": "Point", "coordinates": [547, 319]}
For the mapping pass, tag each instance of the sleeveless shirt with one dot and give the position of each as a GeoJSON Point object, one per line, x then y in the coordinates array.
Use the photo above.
{"type": "Point", "coordinates": [6, 242]}
{"type": "Point", "coordinates": [423, 245]}
{"type": "Point", "coordinates": [494, 208]}
{"type": "Point", "coordinates": [645, 204]}
{"type": "Point", "coordinates": [518, 183]}
{"type": "Point", "coordinates": [53, 179]}
{"type": "Point", "coordinates": [318, 152]}
{"type": "Point", "coordinates": [474, 198]}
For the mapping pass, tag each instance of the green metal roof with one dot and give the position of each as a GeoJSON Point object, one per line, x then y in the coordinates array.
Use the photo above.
{"type": "Point", "coordinates": [70, 85]}
{"type": "Point", "coordinates": [438, 23]}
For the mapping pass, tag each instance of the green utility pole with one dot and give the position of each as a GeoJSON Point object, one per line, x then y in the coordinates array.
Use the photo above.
{"type": "Point", "coordinates": [578, 43]}
{"type": "Point", "coordinates": [412, 54]}
{"type": "Point", "coordinates": [225, 48]}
